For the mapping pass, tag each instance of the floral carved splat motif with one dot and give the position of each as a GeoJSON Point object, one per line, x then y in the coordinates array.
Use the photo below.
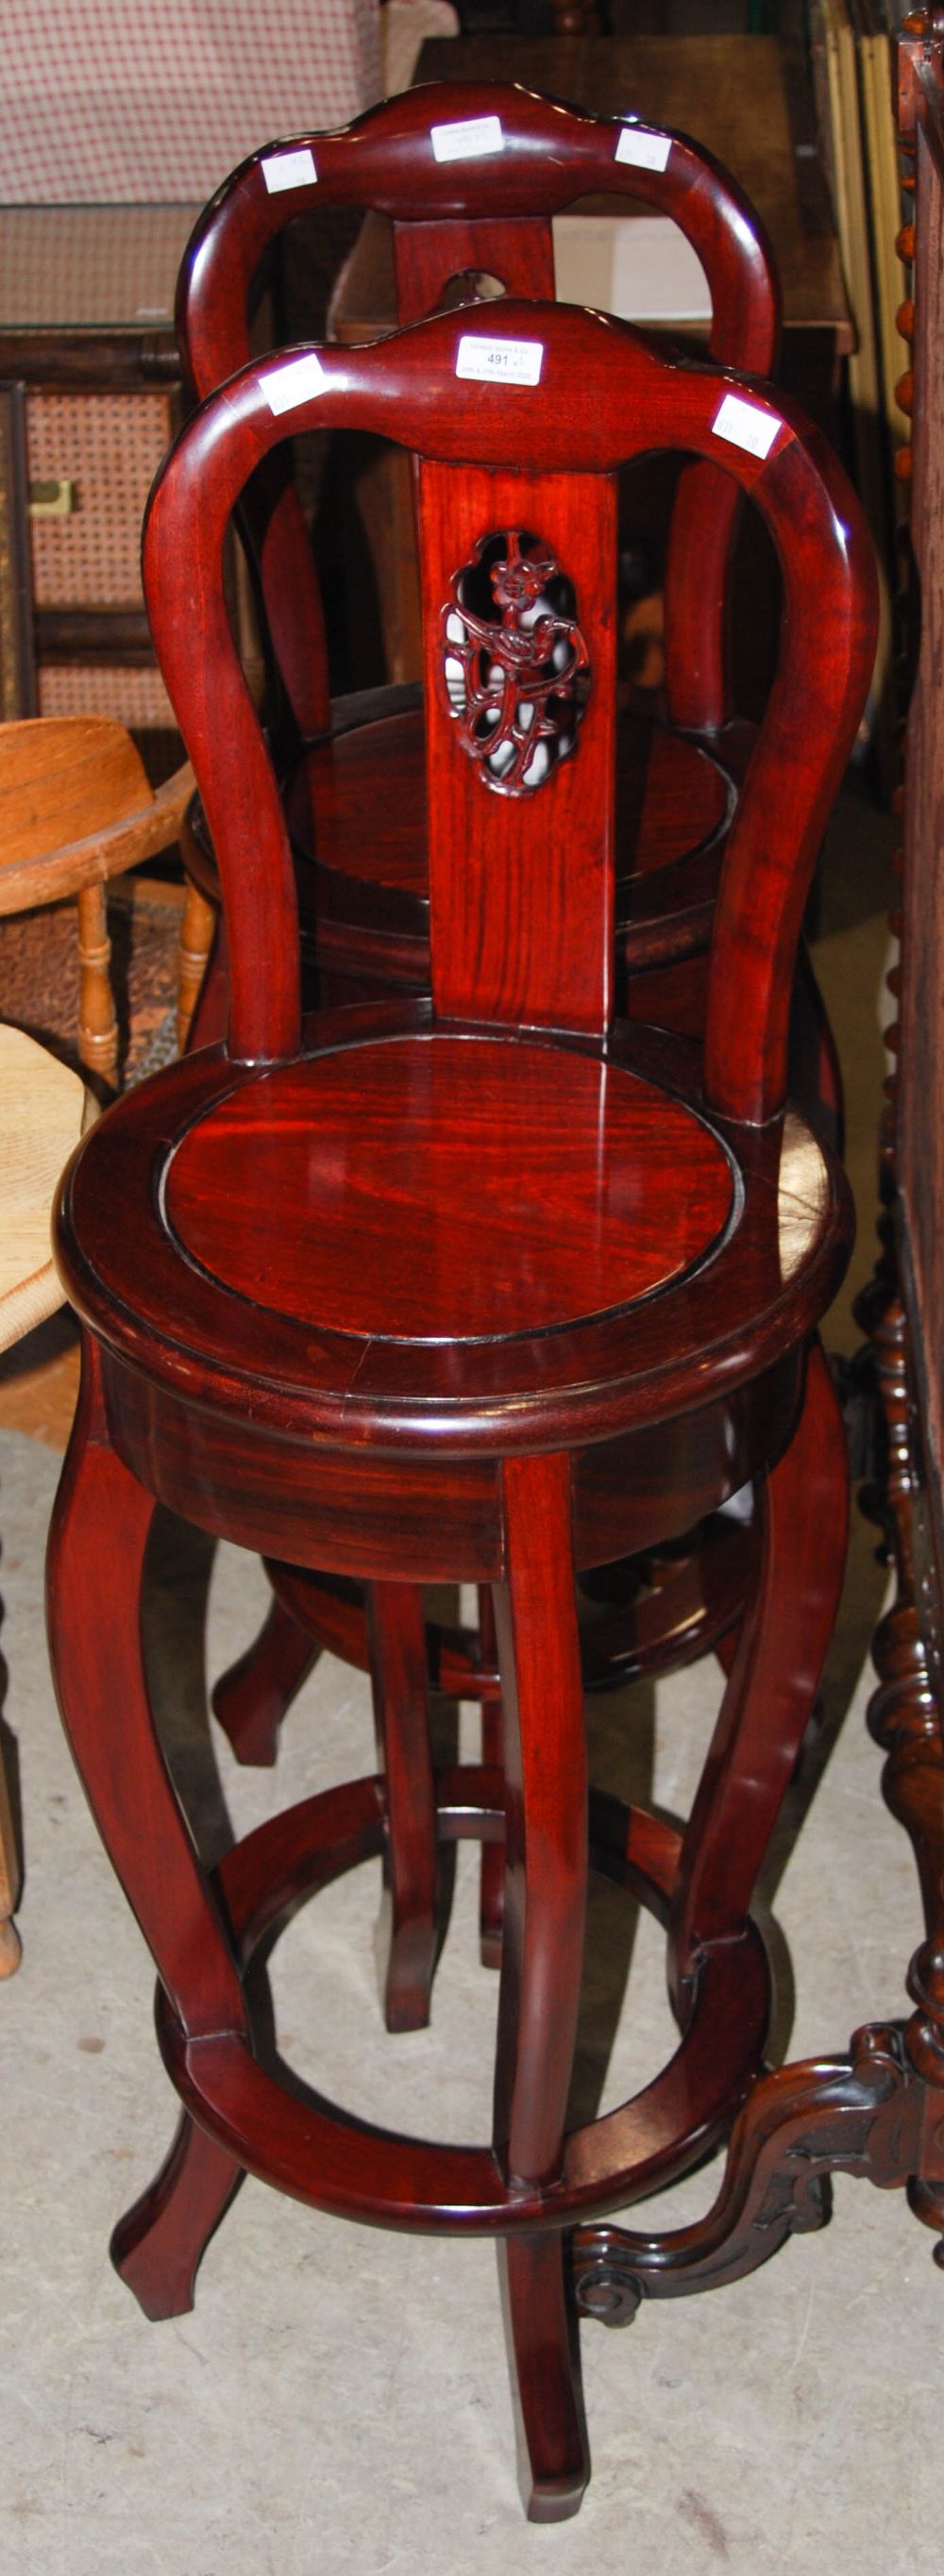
{"type": "Point", "coordinates": [514, 665]}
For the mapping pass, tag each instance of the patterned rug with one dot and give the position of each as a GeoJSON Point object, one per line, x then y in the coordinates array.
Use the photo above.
{"type": "Point", "coordinates": [39, 974]}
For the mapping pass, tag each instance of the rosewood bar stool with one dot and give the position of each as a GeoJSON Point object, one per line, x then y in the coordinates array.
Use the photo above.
{"type": "Point", "coordinates": [484, 1287]}
{"type": "Point", "coordinates": [471, 176]}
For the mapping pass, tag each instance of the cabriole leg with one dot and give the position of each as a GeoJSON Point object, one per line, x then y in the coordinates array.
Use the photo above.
{"type": "Point", "coordinates": [542, 1960]}
{"type": "Point", "coordinates": [250, 1699]}
{"type": "Point", "coordinates": [101, 1521]}
{"type": "Point", "coordinates": [802, 1519]}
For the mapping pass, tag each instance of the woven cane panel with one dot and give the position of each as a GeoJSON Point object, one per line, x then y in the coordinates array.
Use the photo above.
{"type": "Point", "coordinates": [105, 101]}
{"type": "Point", "coordinates": [110, 447]}
{"type": "Point", "coordinates": [137, 698]}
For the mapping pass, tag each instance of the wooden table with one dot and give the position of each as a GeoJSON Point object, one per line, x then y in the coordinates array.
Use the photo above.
{"type": "Point", "coordinates": [745, 100]}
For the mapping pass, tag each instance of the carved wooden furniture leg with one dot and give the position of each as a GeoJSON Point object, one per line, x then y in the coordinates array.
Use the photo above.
{"type": "Point", "coordinates": [903, 1713]}
{"type": "Point", "coordinates": [103, 1515]}
{"type": "Point", "coordinates": [251, 1697]}
{"type": "Point", "coordinates": [98, 1026]}
{"type": "Point", "coordinates": [197, 931]}
{"type": "Point", "coordinates": [801, 1513]}
{"type": "Point", "coordinates": [158, 2245]}
{"type": "Point", "coordinates": [9, 1881]}
{"type": "Point", "coordinates": [542, 1960]}
{"type": "Point", "coordinates": [406, 1933]}
{"type": "Point", "coordinates": [869, 2114]}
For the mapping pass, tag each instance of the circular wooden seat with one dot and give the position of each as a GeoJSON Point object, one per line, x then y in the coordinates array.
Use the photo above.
{"type": "Point", "coordinates": [364, 1162]}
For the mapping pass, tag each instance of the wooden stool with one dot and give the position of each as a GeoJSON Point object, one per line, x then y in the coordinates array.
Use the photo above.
{"type": "Point", "coordinates": [486, 1288]}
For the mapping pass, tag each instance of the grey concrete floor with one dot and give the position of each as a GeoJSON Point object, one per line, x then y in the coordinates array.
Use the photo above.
{"type": "Point", "coordinates": [338, 2399]}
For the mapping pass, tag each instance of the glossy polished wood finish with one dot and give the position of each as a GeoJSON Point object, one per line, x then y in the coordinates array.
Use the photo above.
{"type": "Point", "coordinates": [464, 216]}
{"type": "Point", "coordinates": [363, 891]}
{"type": "Point", "coordinates": [280, 1344]}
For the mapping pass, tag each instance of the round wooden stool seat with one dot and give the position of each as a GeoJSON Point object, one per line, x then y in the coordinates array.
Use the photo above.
{"type": "Point", "coordinates": [577, 1281]}
{"type": "Point", "coordinates": [564, 1223]}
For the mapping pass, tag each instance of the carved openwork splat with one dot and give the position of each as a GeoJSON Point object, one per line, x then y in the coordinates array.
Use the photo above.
{"type": "Point", "coordinates": [514, 664]}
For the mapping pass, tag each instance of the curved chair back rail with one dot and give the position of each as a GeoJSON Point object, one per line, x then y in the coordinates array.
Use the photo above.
{"type": "Point", "coordinates": [606, 393]}
{"type": "Point", "coordinates": [459, 208]}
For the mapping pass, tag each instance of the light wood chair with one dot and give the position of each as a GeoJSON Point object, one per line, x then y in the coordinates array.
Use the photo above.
{"type": "Point", "coordinates": [43, 1109]}
{"type": "Point", "coordinates": [76, 809]}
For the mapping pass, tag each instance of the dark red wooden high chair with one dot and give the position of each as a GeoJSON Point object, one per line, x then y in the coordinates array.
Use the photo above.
{"type": "Point", "coordinates": [471, 176]}
{"type": "Point", "coordinates": [486, 1287]}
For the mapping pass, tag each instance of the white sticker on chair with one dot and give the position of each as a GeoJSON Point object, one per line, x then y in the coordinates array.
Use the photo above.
{"type": "Point", "coordinates": [289, 170]}
{"type": "Point", "coordinates": [643, 151]}
{"type": "Point", "coordinates": [471, 139]}
{"type": "Point", "coordinates": [297, 382]}
{"type": "Point", "coordinates": [743, 424]}
{"type": "Point", "coordinates": [510, 362]}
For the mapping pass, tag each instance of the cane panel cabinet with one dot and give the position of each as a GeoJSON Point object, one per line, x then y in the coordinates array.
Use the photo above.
{"type": "Point", "coordinates": [487, 1286]}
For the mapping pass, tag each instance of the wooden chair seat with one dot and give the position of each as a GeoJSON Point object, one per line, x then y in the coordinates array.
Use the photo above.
{"type": "Point", "coordinates": [482, 1287]}
{"type": "Point", "coordinates": [483, 1231]}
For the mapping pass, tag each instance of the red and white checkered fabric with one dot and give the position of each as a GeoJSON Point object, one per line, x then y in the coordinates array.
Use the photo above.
{"type": "Point", "coordinates": [151, 102]}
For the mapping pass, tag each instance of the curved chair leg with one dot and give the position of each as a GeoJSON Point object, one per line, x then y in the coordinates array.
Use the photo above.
{"type": "Point", "coordinates": [101, 1519]}
{"type": "Point", "coordinates": [159, 2244]}
{"type": "Point", "coordinates": [406, 1932]}
{"type": "Point", "coordinates": [250, 1699]}
{"type": "Point", "coordinates": [802, 1513]}
{"type": "Point", "coordinates": [542, 1960]}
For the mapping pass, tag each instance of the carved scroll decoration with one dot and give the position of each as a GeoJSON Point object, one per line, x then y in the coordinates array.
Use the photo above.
{"type": "Point", "coordinates": [514, 665]}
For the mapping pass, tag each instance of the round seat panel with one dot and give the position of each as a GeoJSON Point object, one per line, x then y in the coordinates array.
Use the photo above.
{"type": "Point", "coordinates": [447, 1188]}
{"type": "Point", "coordinates": [671, 798]}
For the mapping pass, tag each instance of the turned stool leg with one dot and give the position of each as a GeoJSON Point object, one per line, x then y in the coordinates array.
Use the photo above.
{"type": "Point", "coordinates": [197, 932]}
{"type": "Point", "coordinates": [406, 1935]}
{"type": "Point", "coordinates": [802, 1518]}
{"type": "Point", "coordinates": [542, 1961]}
{"type": "Point", "coordinates": [102, 1517]}
{"type": "Point", "coordinates": [98, 1026]}
{"type": "Point", "coordinates": [9, 1881]}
